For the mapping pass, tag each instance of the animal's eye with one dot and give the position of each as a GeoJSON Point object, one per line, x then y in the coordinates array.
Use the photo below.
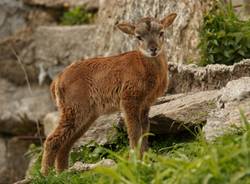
{"type": "Point", "coordinates": [161, 34]}
{"type": "Point", "coordinates": [139, 38]}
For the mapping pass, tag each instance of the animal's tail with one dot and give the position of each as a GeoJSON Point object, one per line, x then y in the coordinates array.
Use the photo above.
{"type": "Point", "coordinates": [57, 91]}
{"type": "Point", "coordinates": [53, 91]}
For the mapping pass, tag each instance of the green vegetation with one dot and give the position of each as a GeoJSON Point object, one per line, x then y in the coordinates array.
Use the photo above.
{"type": "Point", "coordinates": [77, 16]}
{"type": "Point", "coordinates": [224, 38]}
{"type": "Point", "coordinates": [93, 152]}
{"type": "Point", "coordinates": [172, 161]}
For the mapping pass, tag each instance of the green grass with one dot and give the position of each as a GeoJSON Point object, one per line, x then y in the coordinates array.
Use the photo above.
{"type": "Point", "coordinates": [171, 161]}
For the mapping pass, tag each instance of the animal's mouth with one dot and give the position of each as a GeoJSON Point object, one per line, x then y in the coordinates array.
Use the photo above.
{"type": "Point", "coordinates": [154, 54]}
{"type": "Point", "coordinates": [150, 54]}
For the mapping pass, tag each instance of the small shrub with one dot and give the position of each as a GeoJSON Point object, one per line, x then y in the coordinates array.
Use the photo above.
{"type": "Point", "coordinates": [224, 38]}
{"type": "Point", "coordinates": [119, 140]}
{"type": "Point", "coordinates": [89, 153]}
{"type": "Point", "coordinates": [77, 16]}
{"type": "Point", "coordinates": [92, 152]}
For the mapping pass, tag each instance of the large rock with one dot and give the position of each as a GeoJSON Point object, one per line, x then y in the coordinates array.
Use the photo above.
{"type": "Point", "coordinates": [21, 109]}
{"type": "Point", "coordinates": [192, 78]}
{"type": "Point", "coordinates": [43, 54]}
{"type": "Point", "coordinates": [185, 111]}
{"type": "Point", "coordinates": [58, 46]}
{"type": "Point", "coordinates": [182, 37]}
{"type": "Point", "coordinates": [15, 16]}
{"type": "Point", "coordinates": [100, 132]}
{"type": "Point", "coordinates": [17, 22]}
{"type": "Point", "coordinates": [11, 17]}
{"type": "Point", "coordinates": [227, 117]}
{"type": "Point", "coordinates": [81, 167]}
{"type": "Point", "coordinates": [16, 55]}
{"type": "Point", "coordinates": [13, 162]}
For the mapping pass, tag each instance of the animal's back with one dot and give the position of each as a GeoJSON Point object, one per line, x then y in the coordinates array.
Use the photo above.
{"type": "Point", "coordinates": [97, 81]}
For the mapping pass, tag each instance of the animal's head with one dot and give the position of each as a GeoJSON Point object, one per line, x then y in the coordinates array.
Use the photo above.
{"type": "Point", "coordinates": [149, 33]}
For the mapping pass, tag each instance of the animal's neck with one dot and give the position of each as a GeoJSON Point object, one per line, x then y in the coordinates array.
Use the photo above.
{"type": "Point", "coordinates": [158, 59]}
{"type": "Point", "coordinates": [158, 62]}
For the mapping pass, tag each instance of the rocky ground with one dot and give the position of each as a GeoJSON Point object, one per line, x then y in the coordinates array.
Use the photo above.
{"type": "Point", "coordinates": [34, 48]}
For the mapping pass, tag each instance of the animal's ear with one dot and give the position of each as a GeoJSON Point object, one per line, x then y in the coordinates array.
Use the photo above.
{"type": "Point", "coordinates": [126, 27]}
{"type": "Point", "coordinates": [168, 20]}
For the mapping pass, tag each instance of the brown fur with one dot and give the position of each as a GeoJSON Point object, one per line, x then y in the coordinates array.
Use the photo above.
{"type": "Point", "coordinates": [129, 82]}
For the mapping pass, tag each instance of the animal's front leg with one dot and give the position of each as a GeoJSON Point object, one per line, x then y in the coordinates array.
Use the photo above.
{"type": "Point", "coordinates": [132, 119]}
{"type": "Point", "coordinates": [145, 129]}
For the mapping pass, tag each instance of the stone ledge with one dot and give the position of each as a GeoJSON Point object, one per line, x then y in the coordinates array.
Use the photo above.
{"type": "Point", "coordinates": [59, 4]}
{"type": "Point", "coordinates": [192, 78]}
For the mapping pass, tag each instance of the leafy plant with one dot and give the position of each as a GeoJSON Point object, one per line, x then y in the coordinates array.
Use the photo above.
{"type": "Point", "coordinates": [77, 16]}
{"type": "Point", "coordinates": [224, 38]}
{"type": "Point", "coordinates": [92, 152]}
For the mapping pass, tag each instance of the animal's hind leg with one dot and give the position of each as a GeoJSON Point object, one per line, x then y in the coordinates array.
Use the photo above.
{"type": "Point", "coordinates": [63, 154]}
{"type": "Point", "coordinates": [65, 129]}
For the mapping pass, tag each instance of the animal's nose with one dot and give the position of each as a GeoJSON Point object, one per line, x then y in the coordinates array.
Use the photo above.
{"type": "Point", "coordinates": [153, 49]}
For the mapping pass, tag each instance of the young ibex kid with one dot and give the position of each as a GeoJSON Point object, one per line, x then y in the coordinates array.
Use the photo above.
{"type": "Point", "coordinates": [129, 82]}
